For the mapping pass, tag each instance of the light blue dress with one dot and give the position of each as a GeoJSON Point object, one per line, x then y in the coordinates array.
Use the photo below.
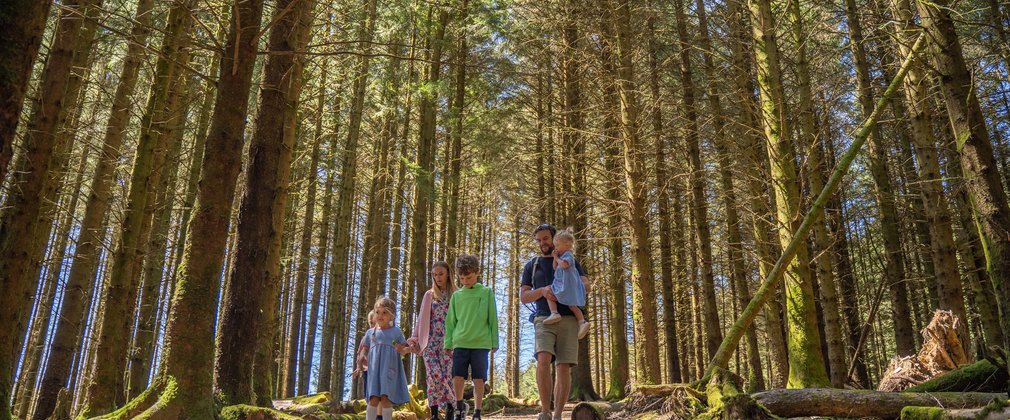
{"type": "Point", "coordinates": [567, 284]}
{"type": "Point", "coordinates": [385, 368]}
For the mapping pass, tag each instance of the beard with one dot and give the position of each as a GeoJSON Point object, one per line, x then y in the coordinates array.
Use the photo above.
{"type": "Point", "coordinates": [546, 249]}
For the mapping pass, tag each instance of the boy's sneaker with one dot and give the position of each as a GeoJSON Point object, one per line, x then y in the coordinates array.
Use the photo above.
{"type": "Point", "coordinates": [583, 329]}
{"type": "Point", "coordinates": [545, 416]}
{"type": "Point", "coordinates": [553, 319]}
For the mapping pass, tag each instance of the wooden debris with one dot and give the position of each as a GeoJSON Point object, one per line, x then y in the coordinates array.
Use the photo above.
{"type": "Point", "coordinates": [942, 351]}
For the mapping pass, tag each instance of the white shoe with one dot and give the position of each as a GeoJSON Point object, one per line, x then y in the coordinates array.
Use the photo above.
{"type": "Point", "coordinates": [553, 319]}
{"type": "Point", "coordinates": [583, 329]}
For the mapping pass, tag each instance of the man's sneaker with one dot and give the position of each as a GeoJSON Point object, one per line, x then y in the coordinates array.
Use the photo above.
{"type": "Point", "coordinates": [545, 416]}
{"type": "Point", "coordinates": [553, 319]}
{"type": "Point", "coordinates": [583, 329]}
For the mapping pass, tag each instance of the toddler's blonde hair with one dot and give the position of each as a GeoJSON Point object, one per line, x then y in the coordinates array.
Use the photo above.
{"type": "Point", "coordinates": [567, 236]}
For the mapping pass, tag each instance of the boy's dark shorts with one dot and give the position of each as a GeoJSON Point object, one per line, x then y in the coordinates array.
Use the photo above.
{"type": "Point", "coordinates": [466, 360]}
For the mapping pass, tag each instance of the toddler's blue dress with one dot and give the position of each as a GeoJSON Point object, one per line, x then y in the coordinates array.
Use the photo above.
{"type": "Point", "coordinates": [385, 368]}
{"type": "Point", "coordinates": [567, 284]}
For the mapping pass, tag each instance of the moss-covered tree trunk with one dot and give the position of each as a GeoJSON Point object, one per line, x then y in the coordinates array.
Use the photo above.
{"type": "Point", "coordinates": [107, 389]}
{"type": "Point", "coordinates": [249, 320]}
{"type": "Point", "coordinates": [754, 155]}
{"type": "Point", "coordinates": [894, 268]}
{"type": "Point", "coordinates": [183, 388]}
{"type": "Point", "coordinates": [988, 198]}
{"type": "Point", "coordinates": [810, 139]}
{"type": "Point", "coordinates": [142, 347]}
{"type": "Point", "coordinates": [86, 253]}
{"type": "Point", "coordinates": [699, 199]}
{"type": "Point", "coordinates": [335, 287]}
{"type": "Point", "coordinates": [424, 180]}
{"type": "Point", "coordinates": [806, 363]}
{"type": "Point", "coordinates": [24, 23]}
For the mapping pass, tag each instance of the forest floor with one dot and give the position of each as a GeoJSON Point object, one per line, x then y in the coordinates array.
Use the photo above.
{"type": "Point", "coordinates": [512, 413]}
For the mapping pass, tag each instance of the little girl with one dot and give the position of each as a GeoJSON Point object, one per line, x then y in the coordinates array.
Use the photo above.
{"type": "Point", "coordinates": [567, 284]}
{"type": "Point", "coordinates": [361, 362]}
{"type": "Point", "coordinates": [387, 383]}
{"type": "Point", "coordinates": [428, 337]}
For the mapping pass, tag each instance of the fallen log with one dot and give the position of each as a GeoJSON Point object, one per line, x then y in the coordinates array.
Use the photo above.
{"type": "Point", "coordinates": [981, 376]}
{"type": "Point", "coordinates": [588, 410]}
{"type": "Point", "coordinates": [863, 403]}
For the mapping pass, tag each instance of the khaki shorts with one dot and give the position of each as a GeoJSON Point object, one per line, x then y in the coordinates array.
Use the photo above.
{"type": "Point", "coordinates": [560, 339]}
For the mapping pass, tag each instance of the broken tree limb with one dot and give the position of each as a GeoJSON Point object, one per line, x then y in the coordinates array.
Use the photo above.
{"type": "Point", "coordinates": [863, 403]}
{"type": "Point", "coordinates": [771, 282]}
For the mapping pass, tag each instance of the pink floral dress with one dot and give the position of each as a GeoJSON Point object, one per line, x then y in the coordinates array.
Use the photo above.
{"type": "Point", "coordinates": [438, 361]}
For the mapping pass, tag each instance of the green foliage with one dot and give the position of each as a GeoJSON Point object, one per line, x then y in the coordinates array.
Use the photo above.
{"type": "Point", "coordinates": [922, 413]}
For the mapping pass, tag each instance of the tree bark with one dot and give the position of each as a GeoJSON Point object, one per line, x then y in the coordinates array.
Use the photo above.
{"type": "Point", "coordinates": [670, 311]}
{"type": "Point", "coordinates": [810, 138]}
{"type": "Point", "coordinates": [984, 183]}
{"type": "Point", "coordinates": [643, 283]}
{"type": "Point", "coordinates": [25, 23]}
{"type": "Point", "coordinates": [88, 248]}
{"type": "Point", "coordinates": [107, 389]}
{"type": "Point", "coordinates": [806, 363]}
{"type": "Point", "coordinates": [616, 280]}
{"type": "Point", "coordinates": [759, 199]}
{"type": "Point", "coordinates": [859, 403]}
{"type": "Point", "coordinates": [248, 320]}
{"type": "Point", "coordinates": [738, 272]}
{"type": "Point", "coordinates": [699, 199]}
{"type": "Point", "coordinates": [894, 269]}
{"type": "Point", "coordinates": [21, 223]}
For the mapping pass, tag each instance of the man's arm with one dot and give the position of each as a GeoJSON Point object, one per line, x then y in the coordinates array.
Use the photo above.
{"type": "Point", "coordinates": [588, 285]}
{"type": "Point", "coordinates": [527, 294]}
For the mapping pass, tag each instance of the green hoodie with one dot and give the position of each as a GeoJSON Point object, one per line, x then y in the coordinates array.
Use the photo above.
{"type": "Point", "coordinates": [472, 321]}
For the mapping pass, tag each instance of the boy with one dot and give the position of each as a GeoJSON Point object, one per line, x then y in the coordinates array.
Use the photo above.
{"type": "Point", "coordinates": [471, 332]}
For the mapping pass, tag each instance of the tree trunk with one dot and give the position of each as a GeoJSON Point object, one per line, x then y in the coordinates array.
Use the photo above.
{"type": "Point", "coordinates": [670, 311]}
{"type": "Point", "coordinates": [738, 272]}
{"type": "Point", "coordinates": [325, 382]}
{"type": "Point", "coordinates": [989, 200]}
{"type": "Point", "coordinates": [894, 270]}
{"type": "Point", "coordinates": [810, 138]}
{"type": "Point", "coordinates": [616, 280]}
{"type": "Point", "coordinates": [759, 200]}
{"type": "Point", "coordinates": [806, 363]}
{"type": "Point", "coordinates": [699, 197]}
{"type": "Point", "coordinates": [305, 368]}
{"type": "Point", "coordinates": [721, 359]}
{"type": "Point", "coordinates": [295, 384]}
{"type": "Point", "coordinates": [36, 174]}
{"type": "Point", "coordinates": [424, 182]}
{"type": "Point", "coordinates": [183, 388]}
{"type": "Point", "coordinates": [248, 320]}
{"type": "Point", "coordinates": [944, 255]}
{"type": "Point", "coordinates": [643, 283]}
{"type": "Point", "coordinates": [107, 389]}
{"type": "Point", "coordinates": [25, 24]}
{"type": "Point", "coordinates": [88, 248]}
{"type": "Point", "coordinates": [859, 403]}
